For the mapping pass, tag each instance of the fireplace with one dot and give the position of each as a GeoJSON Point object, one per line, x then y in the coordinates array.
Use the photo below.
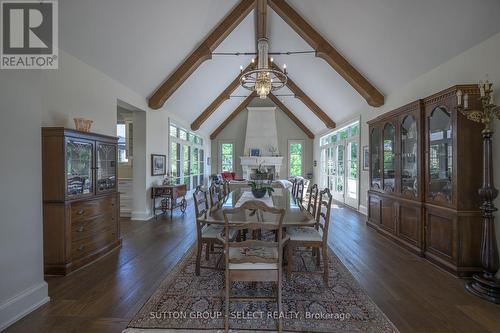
{"type": "Point", "coordinates": [250, 164]}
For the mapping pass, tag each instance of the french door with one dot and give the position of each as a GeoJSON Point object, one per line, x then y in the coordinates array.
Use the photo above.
{"type": "Point", "coordinates": [340, 170]}
{"type": "Point", "coordinates": [187, 164]}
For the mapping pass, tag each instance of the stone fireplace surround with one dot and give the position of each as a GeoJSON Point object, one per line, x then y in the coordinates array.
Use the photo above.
{"type": "Point", "coordinates": [250, 163]}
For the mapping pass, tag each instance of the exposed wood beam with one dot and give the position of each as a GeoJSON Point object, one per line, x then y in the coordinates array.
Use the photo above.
{"type": "Point", "coordinates": [223, 96]}
{"type": "Point", "coordinates": [291, 116]}
{"type": "Point", "coordinates": [240, 108]}
{"type": "Point", "coordinates": [327, 52]}
{"type": "Point", "coordinates": [261, 20]}
{"type": "Point", "coordinates": [307, 101]}
{"type": "Point", "coordinates": [202, 53]}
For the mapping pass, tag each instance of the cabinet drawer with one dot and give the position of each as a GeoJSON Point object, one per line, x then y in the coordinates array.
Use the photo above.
{"type": "Point", "coordinates": [86, 228]}
{"type": "Point", "coordinates": [83, 210]}
{"type": "Point", "coordinates": [85, 246]}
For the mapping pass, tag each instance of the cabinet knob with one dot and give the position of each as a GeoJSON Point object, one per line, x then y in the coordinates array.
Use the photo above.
{"type": "Point", "coordinates": [80, 212]}
{"type": "Point", "coordinates": [81, 248]}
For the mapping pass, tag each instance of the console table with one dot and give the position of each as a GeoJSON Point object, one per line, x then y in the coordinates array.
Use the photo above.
{"type": "Point", "coordinates": [170, 195]}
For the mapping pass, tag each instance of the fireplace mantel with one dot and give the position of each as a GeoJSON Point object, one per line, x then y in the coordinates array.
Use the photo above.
{"type": "Point", "coordinates": [252, 162]}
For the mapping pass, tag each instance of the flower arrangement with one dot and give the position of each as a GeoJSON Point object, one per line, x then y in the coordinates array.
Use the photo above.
{"type": "Point", "coordinates": [259, 189]}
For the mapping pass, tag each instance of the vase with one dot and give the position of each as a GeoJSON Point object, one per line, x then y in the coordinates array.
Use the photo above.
{"type": "Point", "coordinates": [259, 192]}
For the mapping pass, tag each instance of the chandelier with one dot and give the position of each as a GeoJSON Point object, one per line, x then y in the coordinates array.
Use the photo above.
{"type": "Point", "coordinates": [263, 79]}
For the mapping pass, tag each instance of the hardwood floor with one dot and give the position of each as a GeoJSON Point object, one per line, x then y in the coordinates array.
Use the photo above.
{"type": "Point", "coordinates": [103, 297]}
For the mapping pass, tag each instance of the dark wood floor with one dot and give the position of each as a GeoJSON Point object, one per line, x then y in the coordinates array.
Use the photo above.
{"type": "Point", "coordinates": [103, 297]}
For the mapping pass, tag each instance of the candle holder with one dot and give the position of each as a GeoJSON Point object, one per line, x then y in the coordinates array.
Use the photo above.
{"type": "Point", "coordinates": [485, 285]}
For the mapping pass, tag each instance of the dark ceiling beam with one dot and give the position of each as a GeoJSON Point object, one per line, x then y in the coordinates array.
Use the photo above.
{"type": "Point", "coordinates": [201, 54]}
{"type": "Point", "coordinates": [223, 96]}
{"type": "Point", "coordinates": [327, 52]}
{"type": "Point", "coordinates": [307, 101]}
{"type": "Point", "coordinates": [240, 108]}
{"type": "Point", "coordinates": [260, 20]}
{"type": "Point", "coordinates": [291, 116]}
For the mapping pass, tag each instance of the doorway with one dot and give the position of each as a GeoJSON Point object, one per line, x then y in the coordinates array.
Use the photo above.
{"type": "Point", "coordinates": [340, 164]}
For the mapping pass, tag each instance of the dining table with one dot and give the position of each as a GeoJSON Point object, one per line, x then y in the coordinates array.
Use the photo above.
{"type": "Point", "coordinates": [295, 213]}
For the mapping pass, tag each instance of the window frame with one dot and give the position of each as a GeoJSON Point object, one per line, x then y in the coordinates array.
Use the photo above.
{"type": "Point", "coordinates": [219, 154]}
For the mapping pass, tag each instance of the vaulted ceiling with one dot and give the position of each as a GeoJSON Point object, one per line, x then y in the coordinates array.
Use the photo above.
{"type": "Point", "coordinates": [390, 42]}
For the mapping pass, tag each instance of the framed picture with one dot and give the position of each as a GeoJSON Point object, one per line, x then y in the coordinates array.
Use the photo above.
{"type": "Point", "coordinates": [366, 158]}
{"type": "Point", "coordinates": [254, 152]}
{"type": "Point", "coordinates": [158, 165]}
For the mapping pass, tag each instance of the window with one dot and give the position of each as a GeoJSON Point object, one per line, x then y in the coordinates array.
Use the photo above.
{"type": "Point", "coordinates": [186, 157]}
{"type": "Point", "coordinates": [295, 158]}
{"type": "Point", "coordinates": [227, 157]}
{"type": "Point", "coordinates": [124, 134]}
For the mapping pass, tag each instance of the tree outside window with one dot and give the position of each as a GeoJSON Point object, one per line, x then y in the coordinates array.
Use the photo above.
{"type": "Point", "coordinates": [227, 153]}
{"type": "Point", "coordinates": [296, 152]}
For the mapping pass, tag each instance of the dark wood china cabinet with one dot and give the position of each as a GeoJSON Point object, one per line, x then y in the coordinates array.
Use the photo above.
{"type": "Point", "coordinates": [421, 196]}
{"type": "Point", "coordinates": [80, 198]}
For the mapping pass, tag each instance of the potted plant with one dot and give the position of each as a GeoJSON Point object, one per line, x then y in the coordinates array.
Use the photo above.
{"type": "Point", "coordinates": [259, 189]}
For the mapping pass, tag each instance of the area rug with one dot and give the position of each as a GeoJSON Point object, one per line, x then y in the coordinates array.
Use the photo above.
{"type": "Point", "coordinates": [185, 302]}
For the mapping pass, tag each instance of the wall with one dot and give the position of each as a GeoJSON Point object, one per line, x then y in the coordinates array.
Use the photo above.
{"type": "Point", "coordinates": [30, 99]}
{"type": "Point", "coordinates": [22, 288]}
{"type": "Point", "coordinates": [235, 131]}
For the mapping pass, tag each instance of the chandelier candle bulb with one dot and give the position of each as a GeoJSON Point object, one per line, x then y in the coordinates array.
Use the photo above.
{"type": "Point", "coordinates": [459, 97]}
{"type": "Point", "coordinates": [466, 101]}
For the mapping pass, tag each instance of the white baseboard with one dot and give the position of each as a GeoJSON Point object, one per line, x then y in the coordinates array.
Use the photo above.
{"type": "Point", "coordinates": [140, 216]}
{"type": "Point", "coordinates": [363, 210]}
{"type": "Point", "coordinates": [23, 303]}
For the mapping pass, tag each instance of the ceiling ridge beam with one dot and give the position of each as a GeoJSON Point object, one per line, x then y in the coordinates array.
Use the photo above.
{"type": "Point", "coordinates": [201, 53]}
{"type": "Point", "coordinates": [223, 96]}
{"type": "Point", "coordinates": [290, 115]}
{"type": "Point", "coordinates": [327, 52]}
{"type": "Point", "coordinates": [307, 100]}
{"type": "Point", "coordinates": [240, 108]}
{"type": "Point", "coordinates": [260, 20]}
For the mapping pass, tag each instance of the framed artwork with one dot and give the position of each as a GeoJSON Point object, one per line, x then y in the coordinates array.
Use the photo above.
{"type": "Point", "coordinates": [366, 158]}
{"type": "Point", "coordinates": [254, 152]}
{"type": "Point", "coordinates": [158, 165]}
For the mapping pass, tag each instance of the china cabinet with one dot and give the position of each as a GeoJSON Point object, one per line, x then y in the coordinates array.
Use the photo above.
{"type": "Point", "coordinates": [421, 196]}
{"type": "Point", "coordinates": [80, 198]}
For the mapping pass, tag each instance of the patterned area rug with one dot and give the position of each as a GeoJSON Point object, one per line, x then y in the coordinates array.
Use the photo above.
{"type": "Point", "coordinates": [188, 303]}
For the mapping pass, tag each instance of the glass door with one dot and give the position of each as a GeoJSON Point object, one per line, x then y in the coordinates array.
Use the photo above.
{"type": "Point", "coordinates": [79, 167]}
{"type": "Point", "coordinates": [351, 194]}
{"type": "Point", "coordinates": [339, 164]}
{"type": "Point", "coordinates": [106, 167]}
{"type": "Point", "coordinates": [338, 191]}
{"type": "Point", "coordinates": [195, 167]}
{"type": "Point", "coordinates": [186, 165]}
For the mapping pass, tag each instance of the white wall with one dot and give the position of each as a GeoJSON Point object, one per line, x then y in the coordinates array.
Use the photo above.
{"type": "Point", "coordinates": [31, 99]}
{"type": "Point", "coordinates": [22, 287]}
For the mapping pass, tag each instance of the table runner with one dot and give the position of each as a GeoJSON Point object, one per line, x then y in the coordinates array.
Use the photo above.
{"type": "Point", "coordinates": [247, 195]}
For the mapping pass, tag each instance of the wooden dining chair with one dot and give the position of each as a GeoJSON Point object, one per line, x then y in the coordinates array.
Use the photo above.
{"type": "Point", "coordinates": [215, 192]}
{"type": "Point", "coordinates": [294, 185]}
{"type": "Point", "coordinates": [254, 260]}
{"type": "Point", "coordinates": [299, 191]}
{"type": "Point", "coordinates": [312, 200]}
{"type": "Point", "coordinates": [225, 188]}
{"type": "Point", "coordinates": [206, 233]}
{"type": "Point", "coordinates": [315, 237]}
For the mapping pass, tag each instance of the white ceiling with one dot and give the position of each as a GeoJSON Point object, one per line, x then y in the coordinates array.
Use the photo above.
{"type": "Point", "coordinates": [391, 42]}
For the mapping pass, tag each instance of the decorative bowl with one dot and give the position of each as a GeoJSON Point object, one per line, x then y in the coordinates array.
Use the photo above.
{"type": "Point", "coordinates": [82, 124]}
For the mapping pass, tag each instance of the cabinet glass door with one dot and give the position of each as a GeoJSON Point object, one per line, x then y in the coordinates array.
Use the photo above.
{"type": "Point", "coordinates": [409, 160]}
{"type": "Point", "coordinates": [389, 165]}
{"type": "Point", "coordinates": [376, 172]}
{"type": "Point", "coordinates": [106, 167]}
{"type": "Point", "coordinates": [79, 167]}
{"type": "Point", "coordinates": [440, 155]}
